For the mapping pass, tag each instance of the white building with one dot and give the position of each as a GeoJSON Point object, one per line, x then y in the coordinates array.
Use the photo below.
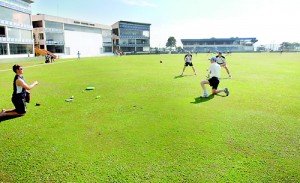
{"type": "Point", "coordinates": [15, 28]}
{"type": "Point", "coordinates": [65, 37]}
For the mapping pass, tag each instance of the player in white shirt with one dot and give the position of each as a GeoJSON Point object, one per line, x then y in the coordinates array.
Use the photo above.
{"type": "Point", "coordinates": [188, 62]}
{"type": "Point", "coordinates": [222, 62]}
{"type": "Point", "coordinates": [214, 70]}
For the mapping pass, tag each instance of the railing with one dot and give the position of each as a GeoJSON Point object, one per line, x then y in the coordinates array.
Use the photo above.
{"type": "Point", "coordinates": [54, 30]}
{"type": "Point", "coordinates": [107, 44]}
{"type": "Point", "coordinates": [15, 24]}
{"type": "Point", "coordinates": [134, 45]}
{"type": "Point", "coordinates": [15, 40]}
{"type": "Point", "coordinates": [134, 37]}
{"type": "Point", "coordinates": [24, 9]}
{"type": "Point", "coordinates": [55, 42]}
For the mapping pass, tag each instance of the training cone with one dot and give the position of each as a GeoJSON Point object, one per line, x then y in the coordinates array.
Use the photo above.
{"type": "Point", "coordinates": [90, 88]}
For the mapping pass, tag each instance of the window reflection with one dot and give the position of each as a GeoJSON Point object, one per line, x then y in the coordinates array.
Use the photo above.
{"type": "Point", "coordinates": [20, 48]}
{"type": "Point", "coordinates": [19, 33]}
{"type": "Point", "coordinates": [14, 16]}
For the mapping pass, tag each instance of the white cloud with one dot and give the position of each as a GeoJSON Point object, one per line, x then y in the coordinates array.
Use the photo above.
{"type": "Point", "coordinates": [139, 3]}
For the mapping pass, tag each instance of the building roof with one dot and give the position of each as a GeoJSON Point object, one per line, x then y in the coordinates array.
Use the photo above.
{"type": "Point", "coordinates": [28, 1]}
{"type": "Point", "coordinates": [253, 39]}
{"type": "Point", "coordinates": [69, 21]}
{"type": "Point", "coordinates": [129, 22]}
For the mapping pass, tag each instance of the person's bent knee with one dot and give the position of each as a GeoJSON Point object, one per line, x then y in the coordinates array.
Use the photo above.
{"type": "Point", "coordinates": [20, 114]}
{"type": "Point", "coordinates": [214, 91]}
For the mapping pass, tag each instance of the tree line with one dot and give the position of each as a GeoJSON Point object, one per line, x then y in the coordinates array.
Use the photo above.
{"type": "Point", "coordinates": [286, 46]}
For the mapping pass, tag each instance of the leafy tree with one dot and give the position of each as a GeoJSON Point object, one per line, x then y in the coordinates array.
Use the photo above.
{"type": "Point", "coordinates": [180, 49]}
{"type": "Point", "coordinates": [171, 42]}
{"type": "Point", "coordinates": [289, 46]}
{"type": "Point", "coordinates": [285, 46]}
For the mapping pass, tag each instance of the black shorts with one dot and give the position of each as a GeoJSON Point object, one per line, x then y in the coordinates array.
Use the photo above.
{"type": "Point", "coordinates": [188, 64]}
{"type": "Point", "coordinates": [214, 82]}
{"type": "Point", "coordinates": [20, 104]}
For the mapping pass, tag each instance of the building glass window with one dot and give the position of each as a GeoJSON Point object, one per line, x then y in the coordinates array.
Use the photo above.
{"type": "Point", "coordinates": [54, 25]}
{"type": "Point", "coordinates": [55, 48]}
{"type": "Point", "coordinates": [128, 49]}
{"type": "Point", "coordinates": [14, 16]}
{"type": "Point", "coordinates": [135, 26]}
{"type": "Point", "coordinates": [13, 33]}
{"type": "Point", "coordinates": [106, 40]}
{"type": "Point", "coordinates": [106, 32]}
{"type": "Point", "coordinates": [139, 49]}
{"type": "Point", "coordinates": [19, 33]}
{"type": "Point", "coordinates": [41, 36]}
{"type": "Point", "coordinates": [37, 24]}
{"type": "Point", "coordinates": [142, 41]}
{"type": "Point", "coordinates": [146, 33]}
{"type": "Point", "coordinates": [2, 31]}
{"type": "Point", "coordinates": [139, 33]}
{"type": "Point", "coordinates": [25, 34]}
{"type": "Point", "coordinates": [3, 49]}
{"type": "Point", "coordinates": [82, 29]}
{"type": "Point", "coordinates": [56, 37]}
{"type": "Point", "coordinates": [20, 48]}
{"type": "Point", "coordinates": [107, 49]}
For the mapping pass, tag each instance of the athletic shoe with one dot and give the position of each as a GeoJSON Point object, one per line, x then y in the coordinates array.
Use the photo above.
{"type": "Point", "coordinates": [204, 96]}
{"type": "Point", "coordinates": [226, 91]}
{"type": "Point", "coordinates": [229, 76]}
{"type": "Point", "coordinates": [195, 73]}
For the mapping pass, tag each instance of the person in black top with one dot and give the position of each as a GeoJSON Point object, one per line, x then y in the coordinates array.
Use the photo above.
{"type": "Point", "coordinates": [18, 97]}
{"type": "Point", "coordinates": [222, 62]}
{"type": "Point", "coordinates": [188, 62]}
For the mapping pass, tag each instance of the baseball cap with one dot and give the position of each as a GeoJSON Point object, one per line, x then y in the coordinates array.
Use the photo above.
{"type": "Point", "coordinates": [213, 58]}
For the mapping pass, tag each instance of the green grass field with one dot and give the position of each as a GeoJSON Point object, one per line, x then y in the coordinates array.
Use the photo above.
{"type": "Point", "coordinates": [149, 124]}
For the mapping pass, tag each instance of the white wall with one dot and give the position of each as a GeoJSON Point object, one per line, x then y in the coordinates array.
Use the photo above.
{"type": "Point", "coordinates": [146, 48]}
{"type": "Point", "coordinates": [88, 44]}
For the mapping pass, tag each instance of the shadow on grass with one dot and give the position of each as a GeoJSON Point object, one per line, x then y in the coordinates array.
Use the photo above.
{"type": "Point", "coordinates": [200, 99]}
{"type": "Point", "coordinates": [224, 78]}
{"type": "Point", "coordinates": [180, 76]}
{"type": "Point", "coordinates": [8, 118]}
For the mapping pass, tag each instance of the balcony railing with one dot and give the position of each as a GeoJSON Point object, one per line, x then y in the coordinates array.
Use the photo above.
{"type": "Point", "coordinates": [53, 30]}
{"type": "Point", "coordinates": [107, 44]}
{"type": "Point", "coordinates": [134, 45]}
{"type": "Point", "coordinates": [55, 42]}
{"type": "Point", "coordinates": [15, 24]}
{"type": "Point", "coordinates": [14, 40]}
{"type": "Point", "coordinates": [134, 37]}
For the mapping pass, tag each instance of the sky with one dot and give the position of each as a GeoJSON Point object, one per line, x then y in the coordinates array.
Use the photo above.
{"type": "Point", "coordinates": [269, 21]}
